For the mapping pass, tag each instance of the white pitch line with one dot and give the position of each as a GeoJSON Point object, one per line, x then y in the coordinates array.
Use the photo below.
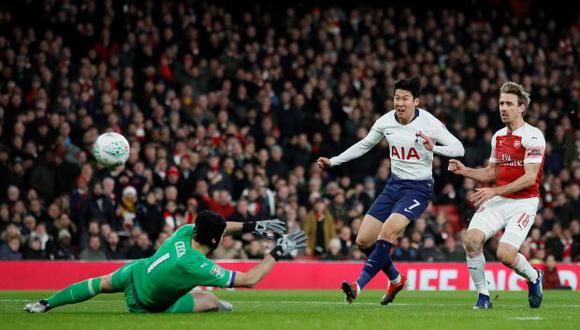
{"type": "Point", "coordinates": [526, 318]}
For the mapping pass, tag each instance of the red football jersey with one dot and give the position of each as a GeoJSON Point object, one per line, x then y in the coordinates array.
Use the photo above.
{"type": "Point", "coordinates": [510, 151]}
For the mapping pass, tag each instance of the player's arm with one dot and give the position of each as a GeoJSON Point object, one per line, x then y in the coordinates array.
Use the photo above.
{"type": "Point", "coordinates": [254, 275]}
{"type": "Point", "coordinates": [448, 144]}
{"type": "Point", "coordinates": [284, 246]}
{"type": "Point", "coordinates": [486, 174]}
{"type": "Point", "coordinates": [356, 150]}
{"type": "Point", "coordinates": [268, 229]}
{"type": "Point", "coordinates": [523, 182]}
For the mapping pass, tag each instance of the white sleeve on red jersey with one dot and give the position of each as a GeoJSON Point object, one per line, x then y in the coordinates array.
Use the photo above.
{"type": "Point", "coordinates": [535, 145]}
{"type": "Point", "coordinates": [492, 158]}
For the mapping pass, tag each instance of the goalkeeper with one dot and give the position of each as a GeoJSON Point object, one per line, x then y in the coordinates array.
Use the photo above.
{"type": "Point", "coordinates": [162, 283]}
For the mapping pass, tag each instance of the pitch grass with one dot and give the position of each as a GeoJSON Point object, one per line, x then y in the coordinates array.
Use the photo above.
{"type": "Point", "coordinates": [299, 310]}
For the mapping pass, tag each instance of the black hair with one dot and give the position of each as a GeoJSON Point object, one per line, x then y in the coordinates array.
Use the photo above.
{"type": "Point", "coordinates": [209, 228]}
{"type": "Point", "coordinates": [412, 85]}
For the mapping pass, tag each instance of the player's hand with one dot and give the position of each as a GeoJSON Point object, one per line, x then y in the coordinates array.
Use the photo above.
{"type": "Point", "coordinates": [270, 229]}
{"type": "Point", "coordinates": [323, 162]}
{"type": "Point", "coordinates": [286, 245]}
{"type": "Point", "coordinates": [456, 167]}
{"type": "Point", "coordinates": [427, 141]}
{"type": "Point", "coordinates": [482, 195]}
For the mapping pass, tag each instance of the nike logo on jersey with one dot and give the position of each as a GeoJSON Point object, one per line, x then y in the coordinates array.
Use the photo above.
{"type": "Point", "coordinates": [389, 133]}
{"type": "Point", "coordinates": [203, 265]}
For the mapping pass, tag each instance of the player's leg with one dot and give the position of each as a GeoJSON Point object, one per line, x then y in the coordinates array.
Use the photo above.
{"type": "Point", "coordinates": [381, 256]}
{"type": "Point", "coordinates": [519, 224]}
{"type": "Point", "coordinates": [374, 220]}
{"type": "Point", "coordinates": [413, 201]}
{"type": "Point", "coordinates": [199, 302]}
{"type": "Point", "coordinates": [474, 240]}
{"type": "Point", "coordinates": [75, 293]}
{"type": "Point", "coordinates": [368, 233]}
{"type": "Point", "coordinates": [485, 223]}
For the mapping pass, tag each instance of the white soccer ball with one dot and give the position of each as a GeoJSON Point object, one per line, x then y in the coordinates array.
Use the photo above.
{"type": "Point", "coordinates": [111, 149]}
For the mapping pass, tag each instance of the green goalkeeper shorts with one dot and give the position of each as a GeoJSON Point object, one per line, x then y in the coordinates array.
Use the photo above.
{"type": "Point", "coordinates": [122, 281]}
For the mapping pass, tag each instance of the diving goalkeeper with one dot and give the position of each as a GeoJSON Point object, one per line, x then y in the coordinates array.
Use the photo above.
{"type": "Point", "coordinates": [162, 283]}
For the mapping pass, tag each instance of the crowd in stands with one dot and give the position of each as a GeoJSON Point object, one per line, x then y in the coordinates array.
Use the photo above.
{"type": "Point", "coordinates": [228, 109]}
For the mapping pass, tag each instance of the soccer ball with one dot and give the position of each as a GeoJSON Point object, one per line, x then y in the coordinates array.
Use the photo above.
{"type": "Point", "coordinates": [111, 149]}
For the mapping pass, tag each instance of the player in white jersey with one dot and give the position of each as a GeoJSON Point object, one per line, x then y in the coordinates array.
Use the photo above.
{"type": "Point", "coordinates": [516, 162]}
{"type": "Point", "coordinates": [413, 135]}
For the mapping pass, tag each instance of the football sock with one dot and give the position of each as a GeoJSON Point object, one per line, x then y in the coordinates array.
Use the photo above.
{"type": "Point", "coordinates": [76, 293]}
{"type": "Point", "coordinates": [476, 265]}
{"type": "Point", "coordinates": [389, 268]}
{"type": "Point", "coordinates": [523, 268]}
{"type": "Point", "coordinates": [379, 259]}
{"type": "Point", "coordinates": [397, 280]}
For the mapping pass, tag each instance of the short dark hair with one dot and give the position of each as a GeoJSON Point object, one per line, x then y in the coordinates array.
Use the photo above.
{"type": "Point", "coordinates": [412, 85]}
{"type": "Point", "coordinates": [209, 228]}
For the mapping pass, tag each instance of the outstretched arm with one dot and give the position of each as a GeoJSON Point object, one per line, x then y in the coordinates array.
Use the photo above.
{"type": "Point", "coordinates": [356, 150]}
{"type": "Point", "coordinates": [486, 174]}
{"type": "Point", "coordinates": [254, 275]}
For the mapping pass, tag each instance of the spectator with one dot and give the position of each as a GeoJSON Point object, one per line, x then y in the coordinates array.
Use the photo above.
{"type": "Point", "coordinates": [319, 227]}
{"type": "Point", "coordinates": [429, 252]}
{"type": "Point", "coordinates": [254, 250]}
{"type": "Point", "coordinates": [11, 249]}
{"type": "Point", "coordinates": [230, 249]}
{"type": "Point", "coordinates": [34, 250]}
{"type": "Point", "coordinates": [127, 210]}
{"type": "Point", "coordinates": [93, 252]}
{"type": "Point", "coordinates": [141, 249]}
{"type": "Point", "coordinates": [149, 216]}
{"type": "Point", "coordinates": [113, 248]}
{"type": "Point", "coordinates": [333, 251]}
{"type": "Point", "coordinates": [63, 249]}
{"type": "Point", "coordinates": [404, 252]}
{"type": "Point", "coordinates": [452, 252]}
{"type": "Point", "coordinates": [551, 277]}
{"type": "Point", "coordinates": [346, 240]}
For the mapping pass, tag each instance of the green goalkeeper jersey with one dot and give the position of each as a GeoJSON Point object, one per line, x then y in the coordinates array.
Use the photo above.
{"type": "Point", "coordinates": [174, 270]}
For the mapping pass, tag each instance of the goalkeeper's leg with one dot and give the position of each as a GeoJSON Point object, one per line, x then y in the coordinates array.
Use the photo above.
{"type": "Point", "coordinates": [75, 293]}
{"type": "Point", "coordinates": [199, 302]}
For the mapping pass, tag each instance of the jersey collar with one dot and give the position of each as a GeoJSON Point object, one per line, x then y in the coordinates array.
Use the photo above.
{"type": "Point", "coordinates": [414, 117]}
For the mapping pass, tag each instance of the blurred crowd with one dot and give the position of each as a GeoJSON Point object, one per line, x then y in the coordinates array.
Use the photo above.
{"type": "Point", "coordinates": [228, 108]}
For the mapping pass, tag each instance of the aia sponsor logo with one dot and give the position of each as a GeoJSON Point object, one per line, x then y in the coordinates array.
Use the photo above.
{"type": "Point", "coordinates": [406, 154]}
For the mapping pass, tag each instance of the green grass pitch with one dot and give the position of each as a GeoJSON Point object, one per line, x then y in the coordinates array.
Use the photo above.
{"type": "Point", "coordinates": [299, 310]}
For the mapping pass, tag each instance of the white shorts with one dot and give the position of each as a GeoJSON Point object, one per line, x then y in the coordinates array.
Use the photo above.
{"type": "Point", "coordinates": [515, 215]}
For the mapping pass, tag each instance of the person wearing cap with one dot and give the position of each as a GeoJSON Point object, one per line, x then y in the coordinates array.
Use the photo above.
{"type": "Point", "coordinates": [62, 248]}
{"type": "Point", "coordinates": [128, 208]}
{"type": "Point", "coordinates": [162, 282]}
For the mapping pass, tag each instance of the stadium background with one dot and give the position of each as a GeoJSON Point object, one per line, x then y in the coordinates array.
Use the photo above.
{"type": "Point", "coordinates": [228, 107]}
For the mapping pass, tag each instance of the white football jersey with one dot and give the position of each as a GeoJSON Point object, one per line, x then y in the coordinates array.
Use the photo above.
{"type": "Point", "coordinates": [409, 158]}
